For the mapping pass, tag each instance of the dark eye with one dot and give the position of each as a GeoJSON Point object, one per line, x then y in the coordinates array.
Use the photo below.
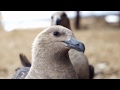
{"type": "Point", "coordinates": [56, 33]}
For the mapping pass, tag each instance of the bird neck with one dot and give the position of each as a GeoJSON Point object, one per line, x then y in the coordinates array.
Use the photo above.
{"type": "Point", "coordinates": [47, 65]}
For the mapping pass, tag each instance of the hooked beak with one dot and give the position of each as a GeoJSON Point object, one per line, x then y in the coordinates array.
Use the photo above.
{"type": "Point", "coordinates": [75, 44]}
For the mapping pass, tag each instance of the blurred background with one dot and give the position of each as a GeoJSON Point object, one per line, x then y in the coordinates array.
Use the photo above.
{"type": "Point", "coordinates": [98, 30]}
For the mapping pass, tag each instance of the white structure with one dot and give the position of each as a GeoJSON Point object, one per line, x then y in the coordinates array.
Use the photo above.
{"type": "Point", "coordinates": [112, 19]}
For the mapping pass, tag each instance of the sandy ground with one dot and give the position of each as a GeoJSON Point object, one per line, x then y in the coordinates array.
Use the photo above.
{"type": "Point", "coordinates": [102, 43]}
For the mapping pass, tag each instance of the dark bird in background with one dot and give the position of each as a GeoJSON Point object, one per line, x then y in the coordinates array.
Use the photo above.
{"type": "Point", "coordinates": [59, 18]}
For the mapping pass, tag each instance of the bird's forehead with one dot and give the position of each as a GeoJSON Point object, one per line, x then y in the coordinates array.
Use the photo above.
{"type": "Point", "coordinates": [58, 28]}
